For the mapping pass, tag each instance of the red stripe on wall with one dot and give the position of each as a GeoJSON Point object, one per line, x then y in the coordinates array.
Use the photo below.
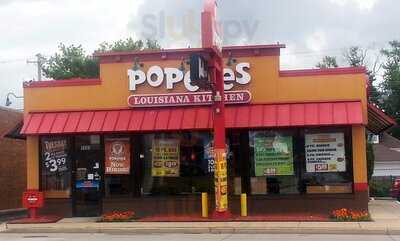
{"type": "Point", "coordinates": [360, 187]}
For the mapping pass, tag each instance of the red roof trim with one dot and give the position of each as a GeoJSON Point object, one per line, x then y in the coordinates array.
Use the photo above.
{"type": "Point", "coordinates": [382, 114]}
{"type": "Point", "coordinates": [330, 71]}
{"type": "Point", "coordinates": [360, 187]}
{"type": "Point", "coordinates": [177, 54]}
{"type": "Point", "coordinates": [61, 83]}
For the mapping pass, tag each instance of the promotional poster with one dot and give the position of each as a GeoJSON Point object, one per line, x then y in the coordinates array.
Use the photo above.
{"type": "Point", "coordinates": [118, 156]}
{"type": "Point", "coordinates": [325, 152]}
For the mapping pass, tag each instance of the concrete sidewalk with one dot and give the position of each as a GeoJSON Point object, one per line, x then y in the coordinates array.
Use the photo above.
{"type": "Point", "coordinates": [386, 215]}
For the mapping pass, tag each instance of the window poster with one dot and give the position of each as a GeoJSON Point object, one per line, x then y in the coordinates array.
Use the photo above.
{"type": "Point", "coordinates": [208, 164]}
{"type": "Point", "coordinates": [165, 158]}
{"type": "Point", "coordinates": [118, 156]}
{"type": "Point", "coordinates": [55, 158]}
{"type": "Point", "coordinates": [325, 152]}
{"type": "Point", "coordinates": [273, 156]}
{"type": "Point", "coordinates": [209, 157]}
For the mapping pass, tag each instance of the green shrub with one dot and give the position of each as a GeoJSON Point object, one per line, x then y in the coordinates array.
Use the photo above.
{"type": "Point", "coordinates": [380, 187]}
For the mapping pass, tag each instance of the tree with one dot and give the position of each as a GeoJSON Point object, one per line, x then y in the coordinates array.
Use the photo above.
{"type": "Point", "coordinates": [129, 45]}
{"type": "Point", "coordinates": [73, 62]}
{"type": "Point", "coordinates": [356, 56]}
{"type": "Point", "coordinates": [391, 83]}
{"type": "Point", "coordinates": [328, 62]}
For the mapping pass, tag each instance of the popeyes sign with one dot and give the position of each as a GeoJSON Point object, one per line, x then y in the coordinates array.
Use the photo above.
{"type": "Point", "coordinates": [169, 78]}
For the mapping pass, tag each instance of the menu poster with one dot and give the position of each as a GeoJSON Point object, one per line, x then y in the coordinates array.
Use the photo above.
{"type": "Point", "coordinates": [273, 156]}
{"type": "Point", "coordinates": [165, 158]}
{"type": "Point", "coordinates": [55, 154]}
{"type": "Point", "coordinates": [325, 152]}
{"type": "Point", "coordinates": [118, 156]}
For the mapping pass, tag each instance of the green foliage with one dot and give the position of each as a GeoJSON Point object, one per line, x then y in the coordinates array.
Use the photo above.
{"type": "Point", "coordinates": [129, 45]}
{"type": "Point", "coordinates": [328, 62]}
{"type": "Point", "coordinates": [391, 83]}
{"type": "Point", "coordinates": [71, 62]}
{"type": "Point", "coordinates": [380, 187]}
{"type": "Point", "coordinates": [355, 56]}
{"type": "Point", "coordinates": [370, 160]}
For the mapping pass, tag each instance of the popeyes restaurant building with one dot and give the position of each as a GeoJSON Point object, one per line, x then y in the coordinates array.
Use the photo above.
{"type": "Point", "coordinates": [140, 137]}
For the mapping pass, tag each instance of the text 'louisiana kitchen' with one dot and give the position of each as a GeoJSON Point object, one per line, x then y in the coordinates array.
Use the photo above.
{"type": "Point", "coordinates": [168, 78]}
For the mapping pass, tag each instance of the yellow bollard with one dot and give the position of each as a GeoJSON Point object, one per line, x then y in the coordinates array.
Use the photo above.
{"type": "Point", "coordinates": [243, 205]}
{"type": "Point", "coordinates": [204, 205]}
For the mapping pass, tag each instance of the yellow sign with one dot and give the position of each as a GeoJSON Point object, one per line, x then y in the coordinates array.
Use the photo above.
{"type": "Point", "coordinates": [221, 183]}
{"type": "Point", "coordinates": [165, 161]}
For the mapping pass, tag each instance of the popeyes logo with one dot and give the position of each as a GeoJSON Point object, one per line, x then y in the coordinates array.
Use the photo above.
{"type": "Point", "coordinates": [156, 77]}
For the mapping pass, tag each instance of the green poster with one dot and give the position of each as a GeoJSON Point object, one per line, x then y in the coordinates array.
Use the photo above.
{"type": "Point", "coordinates": [273, 156]}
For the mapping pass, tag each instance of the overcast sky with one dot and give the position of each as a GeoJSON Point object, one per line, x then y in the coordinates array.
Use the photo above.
{"type": "Point", "coordinates": [309, 28]}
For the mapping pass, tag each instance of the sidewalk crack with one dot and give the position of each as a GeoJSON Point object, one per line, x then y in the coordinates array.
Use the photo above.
{"type": "Point", "coordinates": [226, 237]}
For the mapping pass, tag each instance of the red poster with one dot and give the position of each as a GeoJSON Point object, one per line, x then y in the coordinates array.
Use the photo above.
{"type": "Point", "coordinates": [118, 156]}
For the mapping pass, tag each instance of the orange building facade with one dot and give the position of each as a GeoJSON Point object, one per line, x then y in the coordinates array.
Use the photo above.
{"type": "Point", "coordinates": [140, 137]}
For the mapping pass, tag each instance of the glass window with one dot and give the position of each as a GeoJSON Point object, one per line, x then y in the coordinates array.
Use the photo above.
{"type": "Point", "coordinates": [55, 164]}
{"type": "Point", "coordinates": [118, 168]}
{"type": "Point", "coordinates": [328, 161]}
{"type": "Point", "coordinates": [88, 158]}
{"type": "Point", "coordinates": [275, 167]}
{"type": "Point", "coordinates": [290, 161]}
{"type": "Point", "coordinates": [176, 163]}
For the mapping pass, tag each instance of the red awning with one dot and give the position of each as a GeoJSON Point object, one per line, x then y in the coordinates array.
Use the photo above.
{"type": "Point", "coordinates": [194, 118]}
{"type": "Point", "coordinates": [378, 121]}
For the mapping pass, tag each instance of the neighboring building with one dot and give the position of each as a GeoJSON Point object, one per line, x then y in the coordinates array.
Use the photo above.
{"type": "Point", "coordinates": [296, 137]}
{"type": "Point", "coordinates": [387, 156]}
{"type": "Point", "coordinates": [12, 159]}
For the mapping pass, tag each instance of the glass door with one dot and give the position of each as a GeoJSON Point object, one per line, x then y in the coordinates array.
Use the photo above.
{"type": "Point", "coordinates": [87, 176]}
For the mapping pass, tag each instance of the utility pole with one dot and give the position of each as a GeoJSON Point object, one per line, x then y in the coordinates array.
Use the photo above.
{"type": "Point", "coordinates": [39, 62]}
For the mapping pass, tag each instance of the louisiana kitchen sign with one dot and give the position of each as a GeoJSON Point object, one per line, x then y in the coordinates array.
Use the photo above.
{"type": "Point", "coordinates": [157, 77]}
{"type": "Point", "coordinates": [182, 99]}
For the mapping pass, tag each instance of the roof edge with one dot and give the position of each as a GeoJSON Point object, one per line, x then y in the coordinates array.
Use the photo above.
{"type": "Point", "coordinates": [182, 50]}
{"type": "Point", "coordinates": [61, 83]}
{"type": "Point", "coordinates": [327, 71]}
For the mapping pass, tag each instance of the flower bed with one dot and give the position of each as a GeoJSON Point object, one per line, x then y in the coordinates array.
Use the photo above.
{"type": "Point", "coordinates": [118, 216]}
{"type": "Point", "coordinates": [346, 215]}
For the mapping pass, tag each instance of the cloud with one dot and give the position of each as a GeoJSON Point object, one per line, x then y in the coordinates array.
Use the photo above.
{"type": "Point", "coordinates": [361, 4]}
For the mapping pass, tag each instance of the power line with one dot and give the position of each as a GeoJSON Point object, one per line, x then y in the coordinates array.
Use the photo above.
{"type": "Point", "coordinates": [7, 61]}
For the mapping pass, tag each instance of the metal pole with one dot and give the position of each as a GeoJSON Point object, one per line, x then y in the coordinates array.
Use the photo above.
{"type": "Point", "coordinates": [221, 175]}
{"type": "Point", "coordinates": [39, 66]}
{"type": "Point", "coordinates": [39, 63]}
{"type": "Point", "coordinates": [210, 41]}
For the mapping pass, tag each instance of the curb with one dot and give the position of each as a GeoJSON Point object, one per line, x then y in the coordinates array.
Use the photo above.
{"type": "Point", "coordinates": [3, 227]}
{"type": "Point", "coordinates": [8, 214]}
{"type": "Point", "coordinates": [203, 230]}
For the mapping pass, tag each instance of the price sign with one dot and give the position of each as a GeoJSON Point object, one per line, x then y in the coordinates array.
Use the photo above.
{"type": "Point", "coordinates": [55, 154]}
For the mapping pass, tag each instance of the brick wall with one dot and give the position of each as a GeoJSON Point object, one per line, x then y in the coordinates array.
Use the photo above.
{"type": "Point", "coordinates": [12, 162]}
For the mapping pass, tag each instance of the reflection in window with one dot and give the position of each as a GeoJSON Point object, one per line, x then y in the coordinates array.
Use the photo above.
{"type": "Point", "coordinates": [273, 163]}
{"type": "Point", "coordinates": [55, 164]}
{"type": "Point", "coordinates": [176, 163]}
{"type": "Point", "coordinates": [301, 161]}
